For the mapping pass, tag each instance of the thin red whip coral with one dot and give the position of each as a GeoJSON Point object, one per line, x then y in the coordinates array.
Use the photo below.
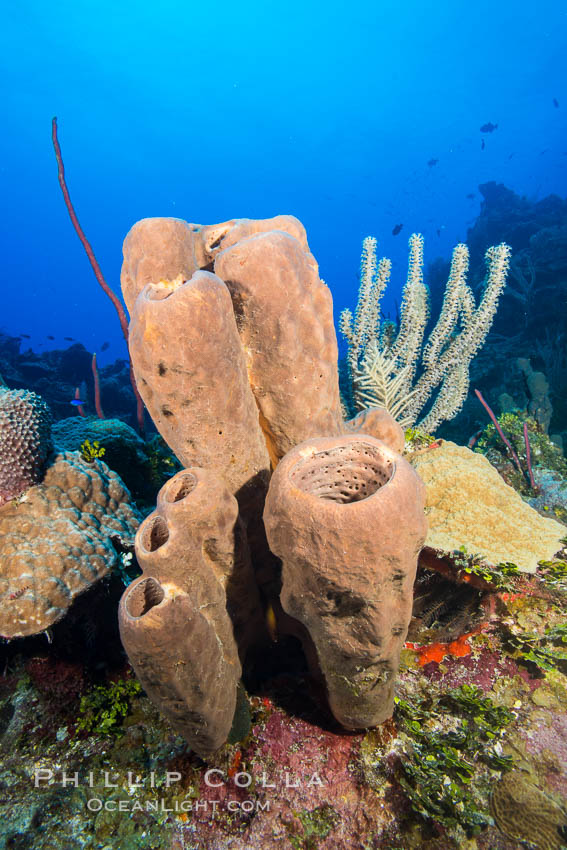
{"type": "Point", "coordinates": [529, 476]}
{"type": "Point", "coordinates": [123, 319]}
{"type": "Point", "coordinates": [529, 457]}
{"type": "Point", "coordinates": [80, 407]}
{"type": "Point", "coordinates": [501, 434]}
{"type": "Point", "coordinates": [98, 405]}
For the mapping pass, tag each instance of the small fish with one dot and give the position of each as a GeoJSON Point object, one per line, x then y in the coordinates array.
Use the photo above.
{"type": "Point", "coordinates": [482, 145]}
{"type": "Point", "coordinates": [50, 337]}
{"type": "Point", "coordinates": [556, 103]}
{"type": "Point", "coordinates": [25, 336]}
{"type": "Point", "coordinates": [432, 162]}
{"type": "Point", "coordinates": [104, 346]}
{"type": "Point", "coordinates": [271, 623]}
{"type": "Point", "coordinates": [488, 128]}
{"type": "Point", "coordinates": [17, 593]}
{"type": "Point", "coordinates": [471, 196]}
{"type": "Point", "coordinates": [76, 402]}
{"type": "Point", "coordinates": [397, 229]}
{"type": "Point", "coordinates": [511, 155]}
{"type": "Point", "coordinates": [68, 339]}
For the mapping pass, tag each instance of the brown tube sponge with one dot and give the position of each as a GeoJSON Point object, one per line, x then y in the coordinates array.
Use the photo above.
{"type": "Point", "coordinates": [182, 622]}
{"type": "Point", "coordinates": [163, 248]}
{"type": "Point", "coordinates": [345, 516]}
{"type": "Point", "coordinates": [378, 423]}
{"type": "Point", "coordinates": [158, 249]}
{"type": "Point", "coordinates": [191, 373]}
{"type": "Point", "coordinates": [285, 320]}
{"type": "Point", "coordinates": [184, 668]}
{"type": "Point", "coordinates": [217, 237]}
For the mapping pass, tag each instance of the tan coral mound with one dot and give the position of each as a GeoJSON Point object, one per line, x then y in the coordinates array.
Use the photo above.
{"type": "Point", "coordinates": [57, 542]}
{"type": "Point", "coordinates": [468, 504]}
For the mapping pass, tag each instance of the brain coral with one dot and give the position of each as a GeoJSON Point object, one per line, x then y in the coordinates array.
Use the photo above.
{"type": "Point", "coordinates": [57, 542]}
{"type": "Point", "coordinates": [25, 441]}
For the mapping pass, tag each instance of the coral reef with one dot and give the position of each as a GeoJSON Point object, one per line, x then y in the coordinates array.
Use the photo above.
{"type": "Point", "coordinates": [422, 780]}
{"type": "Point", "coordinates": [469, 505]}
{"type": "Point", "coordinates": [474, 753]}
{"type": "Point", "coordinates": [547, 460]}
{"type": "Point", "coordinates": [348, 568]}
{"type": "Point", "coordinates": [58, 540]}
{"type": "Point", "coordinates": [528, 323]}
{"type": "Point", "coordinates": [56, 373]}
{"type": "Point", "coordinates": [25, 441]}
{"type": "Point", "coordinates": [539, 407]}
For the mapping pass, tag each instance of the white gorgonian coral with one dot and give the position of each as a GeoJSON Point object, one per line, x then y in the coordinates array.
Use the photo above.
{"type": "Point", "coordinates": [390, 366]}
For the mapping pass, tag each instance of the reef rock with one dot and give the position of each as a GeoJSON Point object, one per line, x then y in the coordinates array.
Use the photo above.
{"type": "Point", "coordinates": [57, 541]}
{"type": "Point", "coordinates": [124, 451]}
{"type": "Point", "coordinates": [468, 504]}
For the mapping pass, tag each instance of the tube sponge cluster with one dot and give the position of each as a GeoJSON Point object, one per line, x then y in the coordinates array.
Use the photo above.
{"type": "Point", "coordinates": [235, 355]}
{"type": "Point", "coordinates": [25, 441]}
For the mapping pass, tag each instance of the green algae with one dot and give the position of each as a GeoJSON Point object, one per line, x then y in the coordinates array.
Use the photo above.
{"type": "Point", "coordinates": [440, 764]}
{"type": "Point", "coordinates": [104, 708]}
{"type": "Point", "coordinates": [316, 826]}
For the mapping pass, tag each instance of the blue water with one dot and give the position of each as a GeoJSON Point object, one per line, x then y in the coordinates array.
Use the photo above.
{"type": "Point", "coordinates": [329, 111]}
